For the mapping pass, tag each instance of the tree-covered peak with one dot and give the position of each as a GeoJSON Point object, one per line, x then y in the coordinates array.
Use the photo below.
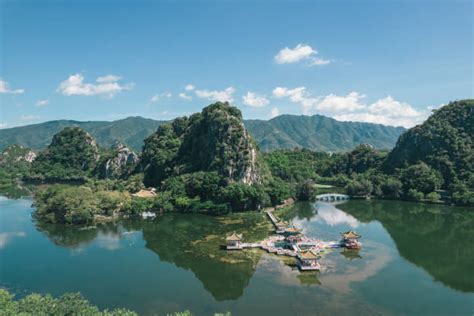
{"type": "Point", "coordinates": [213, 140]}
{"type": "Point", "coordinates": [443, 142]}
{"type": "Point", "coordinates": [71, 155]}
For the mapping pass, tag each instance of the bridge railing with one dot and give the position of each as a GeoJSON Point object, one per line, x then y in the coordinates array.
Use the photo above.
{"type": "Point", "coordinates": [332, 197]}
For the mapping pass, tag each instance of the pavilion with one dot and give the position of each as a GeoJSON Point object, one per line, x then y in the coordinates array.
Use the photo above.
{"type": "Point", "coordinates": [234, 242]}
{"type": "Point", "coordinates": [307, 260]}
{"type": "Point", "coordinates": [350, 239]}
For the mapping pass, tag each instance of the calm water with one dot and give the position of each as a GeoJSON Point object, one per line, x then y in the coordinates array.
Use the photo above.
{"type": "Point", "coordinates": [416, 259]}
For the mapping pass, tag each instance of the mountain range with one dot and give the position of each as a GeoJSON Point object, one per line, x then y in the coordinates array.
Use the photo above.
{"type": "Point", "coordinates": [315, 132]}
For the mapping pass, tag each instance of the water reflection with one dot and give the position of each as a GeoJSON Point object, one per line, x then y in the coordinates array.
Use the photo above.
{"type": "Point", "coordinates": [5, 238]}
{"type": "Point", "coordinates": [430, 236]}
{"type": "Point", "coordinates": [191, 242]}
{"type": "Point", "coordinates": [436, 238]}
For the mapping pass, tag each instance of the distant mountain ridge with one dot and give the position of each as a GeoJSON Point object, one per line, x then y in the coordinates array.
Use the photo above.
{"type": "Point", "coordinates": [320, 133]}
{"type": "Point", "coordinates": [315, 132]}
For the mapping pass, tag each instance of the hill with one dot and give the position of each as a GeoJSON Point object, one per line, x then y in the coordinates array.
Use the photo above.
{"type": "Point", "coordinates": [130, 131]}
{"type": "Point", "coordinates": [286, 131]}
{"type": "Point", "coordinates": [443, 143]}
{"type": "Point", "coordinates": [214, 140]}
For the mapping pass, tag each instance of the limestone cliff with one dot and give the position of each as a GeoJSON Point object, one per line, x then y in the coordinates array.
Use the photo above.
{"type": "Point", "coordinates": [15, 154]}
{"type": "Point", "coordinates": [120, 164]}
{"type": "Point", "coordinates": [212, 140]}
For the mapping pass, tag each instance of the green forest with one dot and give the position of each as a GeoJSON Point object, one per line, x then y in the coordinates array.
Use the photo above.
{"type": "Point", "coordinates": [209, 163]}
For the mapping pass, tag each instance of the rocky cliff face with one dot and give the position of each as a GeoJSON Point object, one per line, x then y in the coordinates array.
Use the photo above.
{"type": "Point", "coordinates": [213, 140]}
{"type": "Point", "coordinates": [15, 154]}
{"type": "Point", "coordinates": [216, 140]}
{"type": "Point", "coordinates": [121, 164]}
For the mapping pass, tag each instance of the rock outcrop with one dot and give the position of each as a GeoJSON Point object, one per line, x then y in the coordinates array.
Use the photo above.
{"type": "Point", "coordinates": [121, 164]}
{"type": "Point", "coordinates": [15, 154]}
{"type": "Point", "coordinates": [214, 140]}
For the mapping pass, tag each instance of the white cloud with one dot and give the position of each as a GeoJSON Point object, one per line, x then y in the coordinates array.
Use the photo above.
{"type": "Point", "coordinates": [255, 100]}
{"type": "Point", "coordinates": [222, 95]}
{"type": "Point", "coordinates": [296, 95]}
{"type": "Point", "coordinates": [334, 103]}
{"type": "Point", "coordinates": [319, 62]}
{"type": "Point", "coordinates": [185, 96]}
{"type": "Point", "coordinates": [5, 89]}
{"type": "Point", "coordinates": [392, 107]}
{"type": "Point", "coordinates": [158, 97]}
{"type": "Point", "coordinates": [274, 112]}
{"type": "Point", "coordinates": [108, 78]}
{"type": "Point", "coordinates": [387, 111]}
{"type": "Point", "coordinates": [293, 55]}
{"type": "Point", "coordinates": [3, 125]}
{"type": "Point", "coordinates": [42, 102]}
{"type": "Point", "coordinates": [351, 107]}
{"type": "Point", "coordinates": [189, 87]}
{"type": "Point", "coordinates": [299, 53]}
{"type": "Point", "coordinates": [106, 85]}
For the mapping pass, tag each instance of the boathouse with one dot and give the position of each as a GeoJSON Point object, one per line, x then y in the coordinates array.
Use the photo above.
{"type": "Point", "coordinates": [234, 242]}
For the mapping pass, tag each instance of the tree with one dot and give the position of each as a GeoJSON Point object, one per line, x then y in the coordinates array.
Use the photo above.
{"type": "Point", "coordinates": [433, 197]}
{"type": "Point", "coordinates": [392, 187]}
{"type": "Point", "coordinates": [306, 191]}
{"type": "Point", "coordinates": [422, 178]}
{"type": "Point", "coordinates": [68, 304]}
{"type": "Point", "coordinates": [414, 195]}
{"type": "Point", "coordinates": [361, 187]}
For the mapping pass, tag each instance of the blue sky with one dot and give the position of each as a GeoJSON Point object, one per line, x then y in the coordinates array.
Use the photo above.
{"type": "Point", "coordinates": [378, 61]}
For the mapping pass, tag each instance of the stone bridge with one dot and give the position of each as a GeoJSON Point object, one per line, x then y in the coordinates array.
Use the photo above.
{"type": "Point", "coordinates": [332, 197]}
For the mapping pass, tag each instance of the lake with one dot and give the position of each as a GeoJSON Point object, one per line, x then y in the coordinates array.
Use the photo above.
{"type": "Point", "coordinates": [416, 259]}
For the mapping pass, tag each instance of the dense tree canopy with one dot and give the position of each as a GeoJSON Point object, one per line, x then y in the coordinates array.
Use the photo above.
{"type": "Point", "coordinates": [67, 304]}
{"type": "Point", "coordinates": [444, 142]}
{"type": "Point", "coordinates": [72, 155]}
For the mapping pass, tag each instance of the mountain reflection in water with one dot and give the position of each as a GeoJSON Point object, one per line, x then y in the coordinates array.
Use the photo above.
{"type": "Point", "coordinates": [437, 238]}
{"type": "Point", "coordinates": [415, 259]}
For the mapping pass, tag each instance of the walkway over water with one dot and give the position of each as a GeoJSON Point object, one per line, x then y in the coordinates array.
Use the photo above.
{"type": "Point", "coordinates": [272, 217]}
{"type": "Point", "coordinates": [332, 197]}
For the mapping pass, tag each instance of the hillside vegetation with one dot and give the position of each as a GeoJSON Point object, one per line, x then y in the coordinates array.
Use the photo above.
{"type": "Point", "coordinates": [444, 144]}
{"type": "Point", "coordinates": [209, 163]}
{"type": "Point", "coordinates": [320, 133]}
{"type": "Point", "coordinates": [205, 163]}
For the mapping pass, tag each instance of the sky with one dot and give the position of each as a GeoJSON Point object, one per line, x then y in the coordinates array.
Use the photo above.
{"type": "Point", "coordinates": [387, 62]}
